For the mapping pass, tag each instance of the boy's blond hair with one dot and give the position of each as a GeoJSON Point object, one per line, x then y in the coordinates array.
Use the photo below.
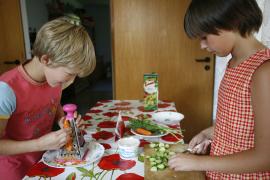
{"type": "Point", "coordinates": [67, 43]}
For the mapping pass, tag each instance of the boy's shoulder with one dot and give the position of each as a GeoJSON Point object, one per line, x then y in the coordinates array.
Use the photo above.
{"type": "Point", "coordinates": [8, 101]}
{"type": "Point", "coordinates": [10, 75]}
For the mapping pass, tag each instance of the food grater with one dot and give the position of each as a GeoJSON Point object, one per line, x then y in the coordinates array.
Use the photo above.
{"type": "Point", "coordinates": [78, 148]}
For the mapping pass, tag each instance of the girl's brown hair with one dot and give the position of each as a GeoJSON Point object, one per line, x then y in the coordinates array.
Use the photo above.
{"type": "Point", "coordinates": [209, 16]}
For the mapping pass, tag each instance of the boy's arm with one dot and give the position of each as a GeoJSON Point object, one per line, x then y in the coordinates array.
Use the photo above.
{"type": "Point", "coordinates": [3, 124]}
{"type": "Point", "coordinates": [14, 147]}
{"type": "Point", "coordinates": [53, 140]}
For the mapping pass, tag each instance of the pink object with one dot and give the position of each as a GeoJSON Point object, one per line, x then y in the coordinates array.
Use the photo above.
{"type": "Point", "coordinates": [70, 109]}
{"type": "Point", "coordinates": [32, 118]}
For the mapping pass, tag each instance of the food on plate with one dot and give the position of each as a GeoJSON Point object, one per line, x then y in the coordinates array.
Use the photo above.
{"type": "Point", "coordinates": [154, 128]}
{"type": "Point", "coordinates": [143, 131]}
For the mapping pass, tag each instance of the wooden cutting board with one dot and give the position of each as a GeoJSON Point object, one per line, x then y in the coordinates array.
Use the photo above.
{"type": "Point", "coordinates": [169, 174]}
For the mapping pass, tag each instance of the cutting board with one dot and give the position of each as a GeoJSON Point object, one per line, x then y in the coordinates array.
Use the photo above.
{"type": "Point", "coordinates": [169, 174]}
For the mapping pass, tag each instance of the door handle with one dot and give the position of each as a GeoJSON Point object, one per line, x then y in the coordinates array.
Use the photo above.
{"type": "Point", "coordinates": [16, 61]}
{"type": "Point", "coordinates": [206, 59]}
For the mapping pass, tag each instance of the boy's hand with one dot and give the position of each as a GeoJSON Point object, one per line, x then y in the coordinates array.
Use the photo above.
{"type": "Point", "coordinates": [78, 120]}
{"type": "Point", "coordinates": [61, 122]}
{"type": "Point", "coordinates": [53, 140]}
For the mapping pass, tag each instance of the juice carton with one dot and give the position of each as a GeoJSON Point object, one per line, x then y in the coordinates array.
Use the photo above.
{"type": "Point", "coordinates": [151, 91]}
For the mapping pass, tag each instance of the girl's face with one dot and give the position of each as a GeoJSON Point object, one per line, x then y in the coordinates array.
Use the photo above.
{"type": "Point", "coordinates": [221, 45]}
{"type": "Point", "coordinates": [59, 76]}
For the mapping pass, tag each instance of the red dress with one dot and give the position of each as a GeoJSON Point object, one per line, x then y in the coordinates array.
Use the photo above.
{"type": "Point", "coordinates": [234, 131]}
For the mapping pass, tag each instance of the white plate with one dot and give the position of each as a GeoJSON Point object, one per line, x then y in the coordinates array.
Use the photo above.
{"type": "Point", "coordinates": [95, 152]}
{"type": "Point", "coordinates": [152, 136]}
{"type": "Point", "coordinates": [168, 117]}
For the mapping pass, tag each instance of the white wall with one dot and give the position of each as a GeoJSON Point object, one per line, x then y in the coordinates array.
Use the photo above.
{"type": "Point", "coordinates": [25, 29]}
{"type": "Point", "coordinates": [34, 15]}
{"type": "Point", "coordinates": [222, 62]}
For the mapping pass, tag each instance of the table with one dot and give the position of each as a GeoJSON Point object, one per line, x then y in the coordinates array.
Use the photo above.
{"type": "Point", "coordinates": [100, 122]}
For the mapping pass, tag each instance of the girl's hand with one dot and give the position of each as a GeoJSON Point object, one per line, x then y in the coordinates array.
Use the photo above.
{"type": "Point", "coordinates": [183, 162]}
{"type": "Point", "coordinates": [54, 140]}
{"type": "Point", "coordinates": [199, 144]}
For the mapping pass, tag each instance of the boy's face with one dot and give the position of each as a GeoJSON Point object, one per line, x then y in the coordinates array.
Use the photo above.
{"type": "Point", "coordinates": [221, 45]}
{"type": "Point", "coordinates": [59, 76]}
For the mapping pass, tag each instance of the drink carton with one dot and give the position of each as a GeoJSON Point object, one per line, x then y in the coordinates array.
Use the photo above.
{"type": "Point", "coordinates": [151, 91]}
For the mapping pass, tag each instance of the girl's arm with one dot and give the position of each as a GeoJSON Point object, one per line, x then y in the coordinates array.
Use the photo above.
{"type": "Point", "coordinates": [199, 144]}
{"type": "Point", "coordinates": [209, 132]}
{"type": "Point", "coordinates": [253, 160]}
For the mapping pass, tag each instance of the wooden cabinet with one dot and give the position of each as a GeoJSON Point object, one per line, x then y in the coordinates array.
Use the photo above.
{"type": "Point", "coordinates": [11, 35]}
{"type": "Point", "coordinates": [148, 36]}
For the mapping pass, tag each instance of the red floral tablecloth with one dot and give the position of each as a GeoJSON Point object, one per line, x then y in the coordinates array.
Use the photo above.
{"type": "Point", "coordinates": [101, 122]}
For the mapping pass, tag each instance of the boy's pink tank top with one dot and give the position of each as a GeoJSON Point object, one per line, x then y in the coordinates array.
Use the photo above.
{"type": "Point", "coordinates": [234, 130]}
{"type": "Point", "coordinates": [36, 106]}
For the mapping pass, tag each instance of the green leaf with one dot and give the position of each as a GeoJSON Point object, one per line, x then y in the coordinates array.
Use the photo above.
{"type": "Point", "coordinates": [71, 176]}
{"type": "Point", "coordinates": [83, 170]}
{"type": "Point", "coordinates": [86, 173]}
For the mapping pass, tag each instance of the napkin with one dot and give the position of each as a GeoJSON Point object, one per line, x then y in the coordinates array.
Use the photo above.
{"type": "Point", "coordinates": [120, 127]}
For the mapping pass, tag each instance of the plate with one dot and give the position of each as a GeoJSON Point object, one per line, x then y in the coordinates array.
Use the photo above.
{"type": "Point", "coordinates": [168, 117]}
{"type": "Point", "coordinates": [152, 136]}
{"type": "Point", "coordinates": [95, 152]}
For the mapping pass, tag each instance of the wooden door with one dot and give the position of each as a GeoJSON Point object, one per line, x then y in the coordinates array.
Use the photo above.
{"type": "Point", "coordinates": [148, 36]}
{"type": "Point", "coordinates": [11, 35]}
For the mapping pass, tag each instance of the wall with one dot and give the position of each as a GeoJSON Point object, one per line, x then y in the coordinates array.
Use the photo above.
{"type": "Point", "coordinates": [25, 29]}
{"type": "Point", "coordinates": [35, 15]}
{"type": "Point", "coordinates": [35, 7]}
{"type": "Point", "coordinates": [101, 16]}
{"type": "Point", "coordinates": [221, 62]}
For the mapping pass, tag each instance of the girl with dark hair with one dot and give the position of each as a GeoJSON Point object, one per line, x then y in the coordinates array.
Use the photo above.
{"type": "Point", "coordinates": [239, 141]}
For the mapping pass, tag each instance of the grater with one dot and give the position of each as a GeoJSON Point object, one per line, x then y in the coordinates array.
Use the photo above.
{"type": "Point", "coordinates": [76, 147]}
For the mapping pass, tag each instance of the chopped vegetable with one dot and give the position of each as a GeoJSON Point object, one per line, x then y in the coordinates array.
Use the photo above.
{"type": "Point", "coordinates": [159, 160]}
{"type": "Point", "coordinates": [141, 157]}
{"type": "Point", "coordinates": [154, 168]}
{"type": "Point", "coordinates": [143, 131]}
